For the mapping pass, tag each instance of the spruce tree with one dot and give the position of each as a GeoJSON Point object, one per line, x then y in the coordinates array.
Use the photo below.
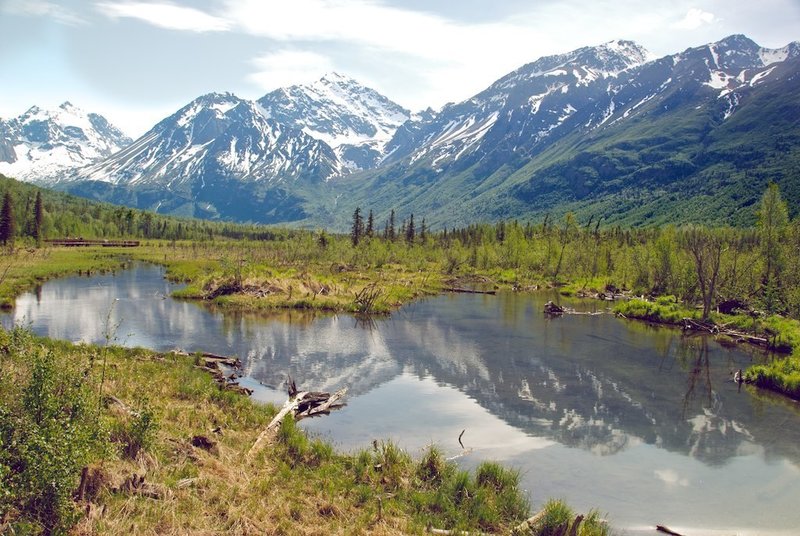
{"type": "Point", "coordinates": [392, 233]}
{"type": "Point", "coordinates": [38, 218]}
{"type": "Point", "coordinates": [7, 224]}
{"type": "Point", "coordinates": [370, 225]}
{"type": "Point", "coordinates": [357, 231]}
{"type": "Point", "coordinates": [410, 232]}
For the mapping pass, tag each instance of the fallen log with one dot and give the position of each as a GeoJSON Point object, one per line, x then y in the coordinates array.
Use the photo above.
{"type": "Point", "coordinates": [225, 360]}
{"type": "Point", "coordinates": [470, 291]}
{"type": "Point", "coordinates": [301, 404]}
{"type": "Point", "coordinates": [689, 324]}
{"type": "Point", "coordinates": [665, 530]}
{"type": "Point", "coordinates": [530, 524]}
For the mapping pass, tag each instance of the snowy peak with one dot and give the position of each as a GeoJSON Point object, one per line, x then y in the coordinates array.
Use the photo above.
{"type": "Point", "coordinates": [730, 65]}
{"type": "Point", "coordinates": [611, 58]}
{"type": "Point", "coordinates": [41, 145]}
{"type": "Point", "coordinates": [216, 137]}
{"type": "Point", "coordinates": [584, 64]}
{"type": "Point", "coordinates": [776, 55]}
{"type": "Point", "coordinates": [355, 120]}
{"type": "Point", "coordinates": [536, 98]}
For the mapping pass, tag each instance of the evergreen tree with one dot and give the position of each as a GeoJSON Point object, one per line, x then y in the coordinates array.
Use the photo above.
{"type": "Point", "coordinates": [410, 232]}
{"type": "Point", "coordinates": [323, 239]}
{"type": "Point", "coordinates": [392, 234]}
{"type": "Point", "coordinates": [7, 223]}
{"type": "Point", "coordinates": [423, 231]}
{"type": "Point", "coordinates": [370, 225]}
{"type": "Point", "coordinates": [357, 231]}
{"type": "Point", "coordinates": [38, 218]}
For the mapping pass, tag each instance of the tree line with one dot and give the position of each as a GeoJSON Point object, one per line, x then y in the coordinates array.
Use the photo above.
{"type": "Point", "coordinates": [758, 266]}
{"type": "Point", "coordinates": [30, 214]}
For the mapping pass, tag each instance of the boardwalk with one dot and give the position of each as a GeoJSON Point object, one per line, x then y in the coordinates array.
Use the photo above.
{"type": "Point", "coordinates": [81, 242]}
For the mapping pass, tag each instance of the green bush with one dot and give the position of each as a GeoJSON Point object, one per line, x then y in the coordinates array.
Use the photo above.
{"type": "Point", "coordinates": [137, 433]}
{"type": "Point", "coordinates": [47, 434]}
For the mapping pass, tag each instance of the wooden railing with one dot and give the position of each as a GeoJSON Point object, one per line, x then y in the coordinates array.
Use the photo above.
{"type": "Point", "coordinates": [82, 242]}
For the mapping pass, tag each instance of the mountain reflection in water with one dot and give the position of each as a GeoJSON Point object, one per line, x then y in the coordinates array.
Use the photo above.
{"type": "Point", "coordinates": [639, 420]}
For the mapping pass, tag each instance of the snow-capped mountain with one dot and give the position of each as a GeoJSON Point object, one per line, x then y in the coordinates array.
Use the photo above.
{"type": "Point", "coordinates": [581, 91]}
{"type": "Point", "coordinates": [216, 151]}
{"type": "Point", "coordinates": [598, 127]}
{"type": "Point", "coordinates": [528, 101]}
{"type": "Point", "coordinates": [213, 136]}
{"type": "Point", "coordinates": [356, 121]}
{"type": "Point", "coordinates": [42, 145]}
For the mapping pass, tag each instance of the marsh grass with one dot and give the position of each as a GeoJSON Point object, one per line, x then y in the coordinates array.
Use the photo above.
{"type": "Point", "coordinates": [298, 485]}
{"type": "Point", "coordinates": [664, 310]}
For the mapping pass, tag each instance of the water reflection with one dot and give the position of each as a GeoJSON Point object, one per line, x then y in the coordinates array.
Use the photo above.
{"type": "Point", "coordinates": [552, 395]}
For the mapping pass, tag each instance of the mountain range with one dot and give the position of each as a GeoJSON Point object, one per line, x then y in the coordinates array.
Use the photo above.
{"type": "Point", "coordinates": [43, 145]}
{"type": "Point", "coordinates": [605, 131]}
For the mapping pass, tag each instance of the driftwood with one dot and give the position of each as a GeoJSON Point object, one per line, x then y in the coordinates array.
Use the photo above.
{"type": "Point", "coordinates": [470, 291]}
{"type": "Point", "coordinates": [529, 524]}
{"type": "Point", "coordinates": [301, 404]}
{"type": "Point", "coordinates": [689, 324]}
{"type": "Point", "coordinates": [532, 524]}
{"type": "Point", "coordinates": [113, 401]}
{"type": "Point", "coordinates": [212, 363]}
{"type": "Point", "coordinates": [135, 484]}
{"type": "Point", "coordinates": [448, 532]}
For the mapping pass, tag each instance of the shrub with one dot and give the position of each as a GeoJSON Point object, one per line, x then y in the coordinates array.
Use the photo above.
{"type": "Point", "coordinates": [137, 433]}
{"type": "Point", "coordinates": [47, 435]}
{"type": "Point", "coordinates": [433, 467]}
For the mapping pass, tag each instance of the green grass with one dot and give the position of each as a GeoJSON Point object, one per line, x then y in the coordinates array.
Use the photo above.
{"type": "Point", "coordinates": [557, 517]}
{"type": "Point", "coordinates": [297, 485]}
{"type": "Point", "coordinates": [664, 310]}
{"type": "Point", "coordinates": [24, 269]}
{"type": "Point", "coordinates": [781, 375]}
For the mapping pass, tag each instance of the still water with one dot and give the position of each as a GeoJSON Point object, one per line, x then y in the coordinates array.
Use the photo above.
{"type": "Point", "coordinates": [638, 421]}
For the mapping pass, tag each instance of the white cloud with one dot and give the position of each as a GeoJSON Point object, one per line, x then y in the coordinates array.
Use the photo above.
{"type": "Point", "coordinates": [365, 23]}
{"type": "Point", "coordinates": [288, 67]}
{"type": "Point", "coordinates": [165, 15]}
{"type": "Point", "coordinates": [42, 8]}
{"type": "Point", "coordinates": [694, 19]}
{"type": "Point", "coordinates": [671, 478]}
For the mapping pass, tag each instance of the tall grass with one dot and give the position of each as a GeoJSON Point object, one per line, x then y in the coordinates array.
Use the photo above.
{"type": "Point", "coordinates": [149, 477]}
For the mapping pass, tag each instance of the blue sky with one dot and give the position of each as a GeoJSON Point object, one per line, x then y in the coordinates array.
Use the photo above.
{"type": "Point", "coordinates": [137, 61]}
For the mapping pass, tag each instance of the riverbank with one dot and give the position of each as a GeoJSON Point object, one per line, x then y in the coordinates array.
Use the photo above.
{"type": "Point", "coordinates": [781, 335]}
{"type": "Point", "coordinates": [257, 276]}
{"type": "Point", "coordinates": [111, 440]}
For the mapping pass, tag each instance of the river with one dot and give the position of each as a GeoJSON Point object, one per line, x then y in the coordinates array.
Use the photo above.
{"type": "Point", "coordinates": [635, 420]}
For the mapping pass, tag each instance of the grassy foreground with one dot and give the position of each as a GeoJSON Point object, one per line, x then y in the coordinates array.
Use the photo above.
{"type": "Point", "coordinates": [164, 450]}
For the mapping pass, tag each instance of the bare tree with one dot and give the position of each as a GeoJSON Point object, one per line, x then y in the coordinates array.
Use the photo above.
{"type": "Point", "coordinates": [705, 247]}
